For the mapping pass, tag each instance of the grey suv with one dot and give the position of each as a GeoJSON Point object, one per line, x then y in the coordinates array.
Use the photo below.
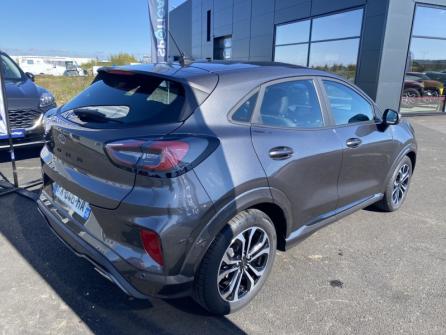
{"type": "Point", "coordinates": [185, 180]}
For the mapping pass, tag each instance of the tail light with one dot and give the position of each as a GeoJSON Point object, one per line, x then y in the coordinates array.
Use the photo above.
{"type": "Point", "coordinates": [152, 245]}
{"type": "Point", "coordinates": [163, 157]}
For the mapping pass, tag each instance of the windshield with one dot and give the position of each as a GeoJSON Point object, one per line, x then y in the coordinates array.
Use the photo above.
{"type": "Point", "coordinates": [417, 76]}
{"type": "Point", "coordinates": [10, 70]}
{"type": "Point", "coordinates": [129, 99]}
{"type": "Point", "coordinates": [414, 78]}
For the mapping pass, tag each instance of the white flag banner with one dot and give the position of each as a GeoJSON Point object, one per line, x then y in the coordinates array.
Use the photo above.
{"type": "Point", "coordinates": [3, 130]}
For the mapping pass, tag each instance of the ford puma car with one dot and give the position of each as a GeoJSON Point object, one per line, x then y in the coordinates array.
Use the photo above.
{"type": "Point", "coordinates": [27, 102]}
{"type": "Point", "coordinates": [177, 181]}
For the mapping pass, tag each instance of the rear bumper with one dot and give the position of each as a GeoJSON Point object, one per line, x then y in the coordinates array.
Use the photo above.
{"type": "Point", "coordinates": [134, 282]}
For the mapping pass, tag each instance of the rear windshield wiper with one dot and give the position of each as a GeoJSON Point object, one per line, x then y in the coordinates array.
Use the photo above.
{"type": "Point", "coordinates": [92, 115]}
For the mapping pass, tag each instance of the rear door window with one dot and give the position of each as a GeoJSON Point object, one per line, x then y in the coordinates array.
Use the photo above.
{"type": "Point", "coordinates": [129, 99]}
{"type": "Point", "coordinates": [293, 104]}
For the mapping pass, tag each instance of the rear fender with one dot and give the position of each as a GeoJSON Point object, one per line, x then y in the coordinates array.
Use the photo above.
{"type": "Point", "coordinates": [215, 225]}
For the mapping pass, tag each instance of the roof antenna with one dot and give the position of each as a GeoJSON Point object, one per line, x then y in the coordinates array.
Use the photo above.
{"type": "Point", "coordinates": [182, 55]}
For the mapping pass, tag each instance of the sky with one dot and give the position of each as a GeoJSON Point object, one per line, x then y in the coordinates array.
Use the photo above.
{"type": "Point", "coordinates": [83, 28]}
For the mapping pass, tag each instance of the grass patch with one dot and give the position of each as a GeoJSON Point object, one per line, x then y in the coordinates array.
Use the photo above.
{"type": "Point", "coordinates": [64, 88]}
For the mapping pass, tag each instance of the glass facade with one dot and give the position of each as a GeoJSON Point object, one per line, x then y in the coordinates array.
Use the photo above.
{"type": "Point", "coordinates": [329, 43]}
{"type": "Point", "coordinates": [423, 89]}
{"type": "Point", "coordinates": [223, 48]}
{"type": "Point", "coordinates": [292, 54]}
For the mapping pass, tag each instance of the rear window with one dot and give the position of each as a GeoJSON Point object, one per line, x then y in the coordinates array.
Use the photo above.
{"type": "Point", "coordinates": [130, 99]}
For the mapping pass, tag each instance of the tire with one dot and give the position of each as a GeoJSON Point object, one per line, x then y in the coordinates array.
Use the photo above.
{"type": "Point", "coordinates": [431, 96]}
{"type": "Point", "coordinates": [395, 186]}
{"type": "Point", "coordinates": [409, 97]}
{"type": "Point", "coordinates": [224, 256]}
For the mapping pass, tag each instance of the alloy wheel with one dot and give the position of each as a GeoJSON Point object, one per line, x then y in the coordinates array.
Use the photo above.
{"type": "Point", "coordinates": [401, 184]}
{"type": "Point", "coordinates": [409, 98]}
{"type": "Point", "coordinates": [243, 264]}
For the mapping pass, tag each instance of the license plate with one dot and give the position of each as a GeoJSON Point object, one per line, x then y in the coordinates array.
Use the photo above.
{"type": "Point", "coordinates": [72, 202]}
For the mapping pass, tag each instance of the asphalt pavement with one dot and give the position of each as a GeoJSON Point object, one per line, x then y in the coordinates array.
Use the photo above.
{"type": "Point", "coordinates": [370, 273]}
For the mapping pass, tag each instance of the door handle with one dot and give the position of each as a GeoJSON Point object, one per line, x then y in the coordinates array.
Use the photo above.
{"type": "Point", "coordinates": [281, 153]}
{"type": "Point", "coordinates": [353, 142]}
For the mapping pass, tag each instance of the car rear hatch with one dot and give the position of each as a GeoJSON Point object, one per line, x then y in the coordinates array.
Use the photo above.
{"type": "Point", "coordinates": [119, 105]}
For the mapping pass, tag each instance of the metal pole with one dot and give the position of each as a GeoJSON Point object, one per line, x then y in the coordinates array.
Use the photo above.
{"type": "Point", "coordinates": [8, 129]}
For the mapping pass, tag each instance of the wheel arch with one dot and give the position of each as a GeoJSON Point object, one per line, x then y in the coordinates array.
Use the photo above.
{"type": "Point", "coordinates": [413, 158]}
{"type": "Point", "coordinates": [277, 216]}
{"type": "Point", "coordinates": [409, 151]}
{"type": "Point", "coordinates": [260, 199]}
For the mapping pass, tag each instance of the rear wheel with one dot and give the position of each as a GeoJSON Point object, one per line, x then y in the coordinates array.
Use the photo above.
{"type": "Point", "coordinates": [409, 97]}
{"type": "Point", "coordinates": [237, 263]}
{"type": "Point", "coordinates": [397, 187]}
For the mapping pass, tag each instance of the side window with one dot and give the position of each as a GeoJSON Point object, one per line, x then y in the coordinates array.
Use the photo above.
{"type": "Point", "coordinates": [244, 112]}
{"type": "Point", "coordinates": [347, 106]}
{"type": "Point", "coordinates": [291, 104]}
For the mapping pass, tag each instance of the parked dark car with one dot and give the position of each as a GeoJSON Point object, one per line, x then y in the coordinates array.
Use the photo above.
{"type": "Point", "coordinates": [177, 181]}
{"type": "Point", "coordinates": [27, 102]}
{"type": "Point", "coordinates": [432, 88]}
{"type": "Point", "coordinates": [438, 76]}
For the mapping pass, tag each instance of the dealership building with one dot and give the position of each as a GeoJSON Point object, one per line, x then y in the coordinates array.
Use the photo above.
{"type": "Point", "coordinates": [395, 50]}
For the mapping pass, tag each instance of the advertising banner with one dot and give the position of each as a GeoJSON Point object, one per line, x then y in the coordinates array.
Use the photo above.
{"type": "Point", "coordinates": [159, 20]}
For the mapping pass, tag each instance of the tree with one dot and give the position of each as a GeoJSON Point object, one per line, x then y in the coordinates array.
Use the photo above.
{"type": "Point", "coordinates": [88, 66]}
{"type": "Point", "coordinates": [118, 59]}
{"type": "Point", "coordinates": [122, 59]}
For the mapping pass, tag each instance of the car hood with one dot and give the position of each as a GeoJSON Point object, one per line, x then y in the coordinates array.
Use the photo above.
{"type": "Point", "coordinates": [22, 94]}
{"type": "Point", "coordinates": [412, 84]}
{"type": "Point", "coordinates": [432, 83]}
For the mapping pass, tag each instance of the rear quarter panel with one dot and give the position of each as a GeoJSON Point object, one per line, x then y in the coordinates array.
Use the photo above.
{"type": "Point", "coordinates": [233, 169]}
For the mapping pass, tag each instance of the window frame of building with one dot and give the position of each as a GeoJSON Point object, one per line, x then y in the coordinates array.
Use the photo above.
{"type": "Point", "coordinates": [222, 49]}
{"type": "Point", "coordinates": [326, 120]}
{"type": "Point", "coordinates": [311, 42]}
{"type": "Point", "coordinates": [208, 25]}
{"type": "Point", "coordinates": [408, 67]}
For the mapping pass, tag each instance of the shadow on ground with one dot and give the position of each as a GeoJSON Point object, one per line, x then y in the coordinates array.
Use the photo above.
{"type": "Point", "coordinates": [97, 302]}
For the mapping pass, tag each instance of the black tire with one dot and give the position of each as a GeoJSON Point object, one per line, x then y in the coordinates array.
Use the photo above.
{"type": "Point", "coordinates": [388, 204]}
{"type": "Point", "coordinates": [207, 288]}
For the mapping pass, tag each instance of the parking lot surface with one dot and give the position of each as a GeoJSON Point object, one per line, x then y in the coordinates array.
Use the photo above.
{"type": "Point", "coordinates": [370, 273]}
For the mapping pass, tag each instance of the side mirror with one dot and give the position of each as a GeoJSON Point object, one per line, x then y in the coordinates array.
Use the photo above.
{"type": "Point", "coordinates": [391, 117]}
{"type": "Point", "coordinates": [30, 76]}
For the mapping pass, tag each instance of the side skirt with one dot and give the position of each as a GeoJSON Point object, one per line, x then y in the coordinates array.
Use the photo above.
{"type": "Point", "coordinates": [324, 220]}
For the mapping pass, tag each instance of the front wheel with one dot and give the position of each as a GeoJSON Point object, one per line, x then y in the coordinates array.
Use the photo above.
{"type": "Point", "coordinates": [237, 263]}
{"type": "Point", "coordinates": [397, 187]}
{"type": "Point", "coordinates": [409, 97]}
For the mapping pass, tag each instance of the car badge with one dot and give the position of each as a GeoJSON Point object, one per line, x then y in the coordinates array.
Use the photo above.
{"type": "Point", "coordinates": [62, 139]}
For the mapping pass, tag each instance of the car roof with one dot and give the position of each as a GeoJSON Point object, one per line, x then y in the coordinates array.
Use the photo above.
{"type": "Point", "coordinates": [437, 72]}
{"type": "Point", "coordinates": [416, 74]}
{"type": "Point", "coordinates": [202, 73]}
